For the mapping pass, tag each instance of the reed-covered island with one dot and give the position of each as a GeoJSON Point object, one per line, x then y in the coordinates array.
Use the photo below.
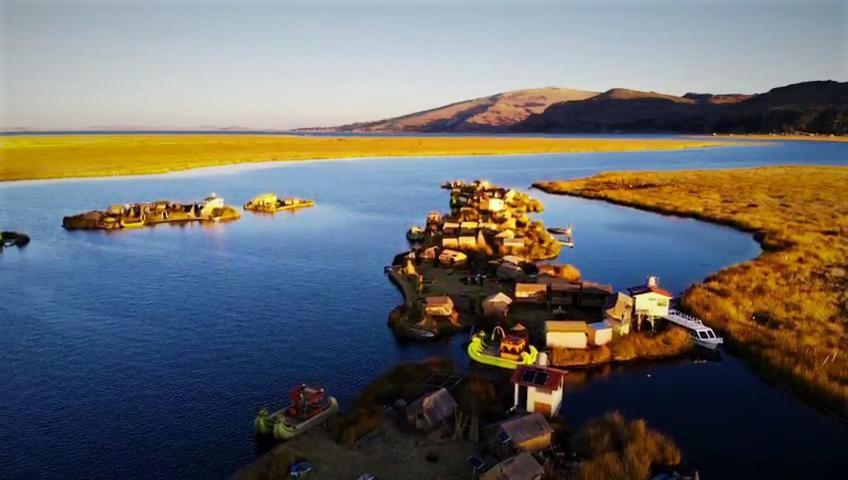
{"type": "Point", "coordinates": [787, 310]}
{"type": "Point", "coordinates": [25, 157]}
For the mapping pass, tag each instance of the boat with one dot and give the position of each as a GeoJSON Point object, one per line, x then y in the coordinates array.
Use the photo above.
{"type": "Point", "coordinates": [481, 352]}
{"type": "Point", "coordinates": [13, 239]}
{"type": "Point", "coordinates": [308, 408]}
{"type": "Point", "coordinates": [270, 203]}
{"type": "Point", "coordinates": [420, 333]}
{"type": "Point", "coordinates": [415, 234]}
{"type": "Point", "coordinates": [701, 334]}
{"type": "Point", "coordinates": [132, 222]}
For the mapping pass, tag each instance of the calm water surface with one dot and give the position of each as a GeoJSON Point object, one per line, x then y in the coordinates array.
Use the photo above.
{"type": "Point", "coordinates": [144, 354]}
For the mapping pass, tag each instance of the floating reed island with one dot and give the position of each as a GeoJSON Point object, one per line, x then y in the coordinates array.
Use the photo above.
{"type": "Point", "coordinates": [138, 215]}
{"type": "Point", "coordinates": [482, 267]}
{"type": "Point", "coordinates": [271, 203]}
{"type": "Point", "coordinates": [446, 424]}
{"type": "Point", "coordinates": [13, 239]}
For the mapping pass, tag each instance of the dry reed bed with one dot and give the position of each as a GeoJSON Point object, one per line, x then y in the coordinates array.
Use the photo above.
{"type": "Point", "coordinates": [786, 311]}
{"type": "Point", "coordinates": [60, 156]}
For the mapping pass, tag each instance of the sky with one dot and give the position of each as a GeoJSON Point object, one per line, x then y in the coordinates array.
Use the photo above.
{"type": "Point", "coordinates": [280, 64]}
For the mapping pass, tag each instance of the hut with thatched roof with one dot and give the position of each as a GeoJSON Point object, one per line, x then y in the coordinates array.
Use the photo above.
{"type": "Point", "coordinates": [431, 410]}
{"type": "Point", "coordinates": [497, 305]}
{"type": "Point", "coordinates": [529, 433]}
{"type": "Point", "coordinates": [520, 467]}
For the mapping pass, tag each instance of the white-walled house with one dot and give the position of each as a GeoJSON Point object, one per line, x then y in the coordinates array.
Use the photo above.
{"type": "Point", "coordinates": [538, 389]}
{"type": "Point", "coordinates": [650, 301]}
{"type": "Point", "coordinates": [566, 334]}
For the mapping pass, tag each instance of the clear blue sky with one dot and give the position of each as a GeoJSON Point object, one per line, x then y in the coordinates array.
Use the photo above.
{"type": "Point", "coordinates": [283, 64]}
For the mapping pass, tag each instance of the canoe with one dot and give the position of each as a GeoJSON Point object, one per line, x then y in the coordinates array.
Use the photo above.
{"type": "Point", "coordinates": [477, 349]}
{"type": "Point", "coordinates": [270, 424]}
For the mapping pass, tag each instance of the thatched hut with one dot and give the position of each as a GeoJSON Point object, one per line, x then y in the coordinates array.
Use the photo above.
{"type": "Point", "coordinates": [497, 305]}
{"type": "Point", "coordinates": [431, 410]}
{"type": "Point", "coordinates": [520, 467]}
{"type": "Point", "coordinates": [529, 433]}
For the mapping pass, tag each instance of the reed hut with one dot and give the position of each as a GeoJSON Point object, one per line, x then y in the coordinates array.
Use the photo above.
{"type": "Point", "coordinates": [599, 333]}
{"type": "Point", "coordinates": [431, 410]}
{"type": "Point", "coordinates": [531, 292]}
{"type": "Point", "coordinates": [497, 305]}
{"type": "Point", "coordinates": [529, 433]}
{"type": "Point", "coordinates": [520, 467]}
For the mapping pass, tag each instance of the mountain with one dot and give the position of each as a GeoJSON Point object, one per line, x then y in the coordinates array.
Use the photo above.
{"type": "Point", "coordinates": [818, 107]}
{"type": "Point", "coordinates": [493, 113]}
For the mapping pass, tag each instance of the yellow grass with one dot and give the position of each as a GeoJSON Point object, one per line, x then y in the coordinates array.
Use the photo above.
{"type": "Point", "coordinates": [59, 156]}
{"type": "Point", "coordinates": [614, 447]}
{"type": "Point", "coordinates": [787, 310]}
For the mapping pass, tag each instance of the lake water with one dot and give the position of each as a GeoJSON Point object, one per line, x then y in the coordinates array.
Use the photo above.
{"type": "Point", "coordinates": [144, 354]}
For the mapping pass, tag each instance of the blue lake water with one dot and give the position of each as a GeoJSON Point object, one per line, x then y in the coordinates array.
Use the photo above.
{"type": "Point", "coordinates": [144, 354]}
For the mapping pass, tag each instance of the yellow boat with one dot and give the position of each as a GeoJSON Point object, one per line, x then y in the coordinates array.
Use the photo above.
{"type": "Point", "coordinates": [270, 203]}
{"type": "Point", "coordinates": [128, 222]}
{"type": "Point", "coordinates": [481, 353]}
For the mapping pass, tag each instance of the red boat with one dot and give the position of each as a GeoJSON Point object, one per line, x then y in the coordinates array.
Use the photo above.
{"type": "Point", "coordinates": [309, 407]}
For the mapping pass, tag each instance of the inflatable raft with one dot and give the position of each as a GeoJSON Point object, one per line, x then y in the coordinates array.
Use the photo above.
{"type": "Point", "coordinates": [307, 410]}
{"type": "Point", "coordinates": [477, 352]}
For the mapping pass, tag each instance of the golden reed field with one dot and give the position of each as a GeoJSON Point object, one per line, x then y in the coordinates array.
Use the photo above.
{"type": "Point", "coordinates": [25, 157]}
{"type": "Point", "coordinates": [786, 311]}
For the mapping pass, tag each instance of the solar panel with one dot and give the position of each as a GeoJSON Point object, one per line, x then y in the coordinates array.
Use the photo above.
{"type": "Point", "coordinates": [476, 462]}
{"type": "Point", "coordinates": [503, 437]}
{"type": "Point", "coordinates": [541, 378]}
{"type": "Point", "coordinates": [534, 377]}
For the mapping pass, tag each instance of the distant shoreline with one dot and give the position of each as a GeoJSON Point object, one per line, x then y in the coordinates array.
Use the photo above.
{"type": "Point", "coordinates": [50, 157]}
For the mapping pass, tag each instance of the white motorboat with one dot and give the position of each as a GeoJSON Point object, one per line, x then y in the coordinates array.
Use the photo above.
{"type": "Point", "coordinates": [701, 334]}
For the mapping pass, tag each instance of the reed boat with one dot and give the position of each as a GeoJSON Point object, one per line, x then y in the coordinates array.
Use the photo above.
{"type": "Point", "coordinates": [415, 234]}
{"type": "Point", "coordinates": [270, 203]}
{"type": "Point", "coordinates": [13, 239]}
{"type": "Point", "coordinates": [309, 407]}
{"type": "Point", "coordinates": [129, 222]}
{"type": "Point", "coordinates": [482, 352]}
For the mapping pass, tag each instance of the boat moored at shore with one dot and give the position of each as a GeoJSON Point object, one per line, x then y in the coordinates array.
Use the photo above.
{"type": "Point", "coordinates": [309, 407]}
{"type": "Point", "coordinates": [701, 334]}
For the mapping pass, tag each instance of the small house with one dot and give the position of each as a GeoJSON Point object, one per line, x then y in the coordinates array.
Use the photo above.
{"type": "Point", "coordinates": [264, 201]}
{"type": "Point", "coordinates": [566, 334]}
{"type": "Point", "coordinates": [538, 389]}
{"type": "Point", "coordinates": [619, 306]}
{"type": "Point", "coordinates": [210, 204]}
{"type": "Point", "coordinates": [431, 253]}
{"type": "Point", "coordinates": [450, 229]}
{"type": "Point", "coordinates": [497, 305]}
{"type": "Point", "coordinates": [531, 292]}
{"type": "Point", "coordinates": [452, 258]}
{"type": "Point", "coordinates": [468, 228]}
{"type": "Point", "coordinates": [650, 301]}
{"type": "Point", "coordinates": [563, 293]}
{"type": "Point", "coordinates": [467, 242]}
{"type": "Point", "coordinates": [450, 242]}
{"type": "Point", "coordinates": [491, 204]}
{"type": "Point", "coordinates": [594, 294]}
{"type": "Point", "coordinates": [599, 333]}
{"type": "Point", "coordinates": [510, 271]}
{"type": "Point", "coordinates": [439, 306]}
{"type": "Point", "coordinates": [520, 467]}
{"type": "Point", "coordinates": [431, 410]}
{"type": "Point", "coordinates": [529, 433]}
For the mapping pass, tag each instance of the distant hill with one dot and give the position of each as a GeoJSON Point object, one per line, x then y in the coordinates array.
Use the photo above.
{"type": "Point", "coordinates": [493, 113]}
{"type": "Point", "coordinates": [816, 107]}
